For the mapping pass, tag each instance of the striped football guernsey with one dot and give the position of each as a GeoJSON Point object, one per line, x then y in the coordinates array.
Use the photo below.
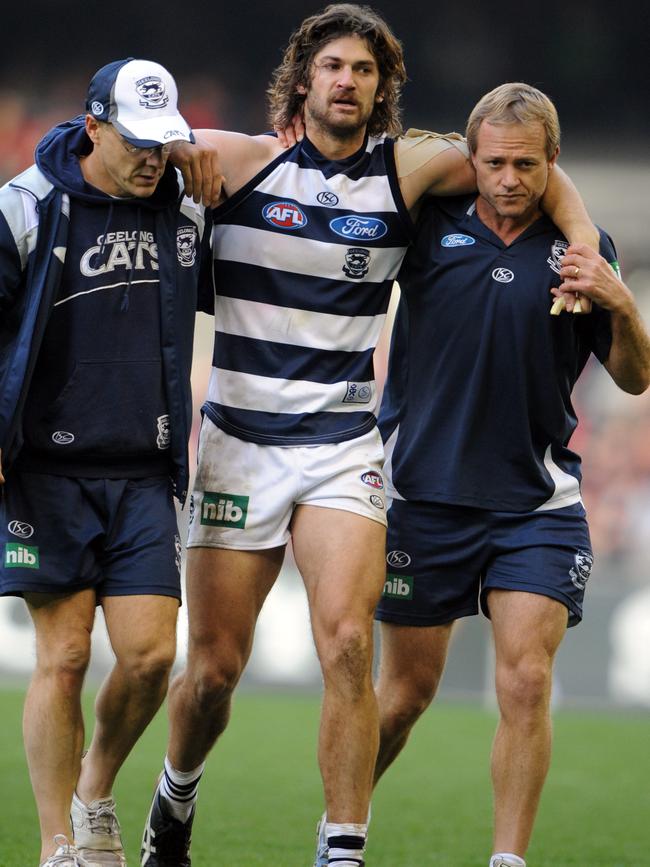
{"type": "Point", "coordinates": [305, 257]}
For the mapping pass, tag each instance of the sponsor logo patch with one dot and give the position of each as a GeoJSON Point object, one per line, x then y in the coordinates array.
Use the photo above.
{"type": "Point", "coordinates": [398, 559]}
{"type": "Point", "coordinates": [357, 263]}
{"type": "Point", "coordinates": [151, 91]}
{"type": "Point", "coordinates": [186, 245]}
{"type": "Point", "coordinates": [373, 479]}
{"type": "Point", "coordinates": [359, 228]}
{"type": "Point", "coordinates": [327, 198]}
{"type": "Point", "coordinates": [224, 510]}
{"type": "Point", "coordinates": [96, 107]}
{"type": "Point", "coordinates": [62, 437]}
{"type": "Point", "coordinates": [580, 572]}
{"type": "Point", "coordinates": [457, 240]}
{"type": "Point", "coordinates": [358, 392]}
{"type": "Point", "coordinates": [376, 501]}
{"type": "Point", "coordinates": [398, 586]}
{"type": "Point", "coordinates": [503, 275]}
{"type": "Point", "coordinates": [285, 215]}
{"type": "Point", "coordinates": [24, 556]}
{"type": "Point", "coordinates": [558, 249]}
{"type": "Point", "coordinates": [21, 529]}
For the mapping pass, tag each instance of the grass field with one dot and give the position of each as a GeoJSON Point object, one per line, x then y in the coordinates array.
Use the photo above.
{"type": "Point", "coordinates": [261, 797]}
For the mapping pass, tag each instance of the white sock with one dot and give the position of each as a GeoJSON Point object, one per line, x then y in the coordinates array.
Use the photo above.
{"type": "Point", "coordinates": [346, 843]}
{"type": "Point", "coordinates": [179, 789]}
{"type": "Point", "coordinates": [506, 859]}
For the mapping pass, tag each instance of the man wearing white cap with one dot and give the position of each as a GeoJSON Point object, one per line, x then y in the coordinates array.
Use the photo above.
{"type": "Point", "coordinates": [101, 261]}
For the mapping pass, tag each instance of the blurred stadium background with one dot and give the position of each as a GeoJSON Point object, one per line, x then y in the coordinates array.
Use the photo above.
{"type": "Point", "coordinates": [591, 58]}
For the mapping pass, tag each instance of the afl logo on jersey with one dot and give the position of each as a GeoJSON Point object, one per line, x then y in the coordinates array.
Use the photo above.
{"type": "Point", "coordinates": [284, 215]}
{"type": "Point", "coordinates": [503, 275]}
{"type": "Point", "coordinates": [359, 228]}
{"type": "Point", "coordinates": [457, 241]}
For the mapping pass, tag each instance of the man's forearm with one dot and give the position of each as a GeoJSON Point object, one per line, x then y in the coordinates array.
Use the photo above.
{"type": "Point", "coordinates": [563, 204]}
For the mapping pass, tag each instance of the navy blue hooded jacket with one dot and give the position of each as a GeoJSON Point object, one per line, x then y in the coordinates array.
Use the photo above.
{"type": "Point", "coordinates": [97, 304]}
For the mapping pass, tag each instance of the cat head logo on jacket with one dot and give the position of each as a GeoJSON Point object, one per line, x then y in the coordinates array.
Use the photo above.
{"type": "Point", "coordinates": [186, 245]}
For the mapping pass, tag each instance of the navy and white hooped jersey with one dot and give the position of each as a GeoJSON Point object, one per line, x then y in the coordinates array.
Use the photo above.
{"type": "Point", "coordinates": [305, 257]}
{"type": "Point", "coordinates": [477, 408]}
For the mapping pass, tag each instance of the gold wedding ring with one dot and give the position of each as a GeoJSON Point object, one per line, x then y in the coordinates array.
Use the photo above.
{"type": "Point", "coordinates": [577, 274]}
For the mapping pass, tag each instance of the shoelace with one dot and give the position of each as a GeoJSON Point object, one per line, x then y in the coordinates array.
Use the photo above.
{"type": "Point", "coordinates": [103, 820]}
{"type": "Point", "coordinates": [68, 854]}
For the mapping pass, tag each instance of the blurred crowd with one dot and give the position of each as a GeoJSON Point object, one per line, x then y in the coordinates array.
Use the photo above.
{"type": "Point", "coordinates": [614, 432]}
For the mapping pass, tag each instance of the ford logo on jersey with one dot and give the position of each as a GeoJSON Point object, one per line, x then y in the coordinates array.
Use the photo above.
{"type": "Point", "coordinates": [457, 241]}
{"type": "Point", "coordinates": [359, 228]}
{"type": "Point", "coordinates": [285, 215]}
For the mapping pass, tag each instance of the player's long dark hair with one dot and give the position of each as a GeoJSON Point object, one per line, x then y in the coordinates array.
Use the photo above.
{"type": "Point", "coordinates": [337, 20]}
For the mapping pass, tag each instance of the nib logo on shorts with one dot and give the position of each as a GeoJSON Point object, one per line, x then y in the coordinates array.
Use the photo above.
{"type": "Point", "coordinates": [21, 555]}
{"type": "Point", "coordinates": [398, 586]}
{"type": "Point", "coordinates": [224, 510]}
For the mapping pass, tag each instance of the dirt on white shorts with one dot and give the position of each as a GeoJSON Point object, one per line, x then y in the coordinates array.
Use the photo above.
{"type": "Point", "coordinates": [245, 493]}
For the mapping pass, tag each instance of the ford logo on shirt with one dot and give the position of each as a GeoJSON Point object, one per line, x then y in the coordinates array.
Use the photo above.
{"type": "Point", "coordinates": [359, 228]}
{"type": "Point", "coordinates": [457, 240]}
{"type": "Point", "coordinates": [285, 215]}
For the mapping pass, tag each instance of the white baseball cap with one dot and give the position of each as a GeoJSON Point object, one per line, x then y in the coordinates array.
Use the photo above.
{"type": "Point", "coordinates": [140, 99]}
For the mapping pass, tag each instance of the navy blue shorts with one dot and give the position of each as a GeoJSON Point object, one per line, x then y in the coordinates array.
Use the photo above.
{"type": "Point", "coordinates": [442, 560]}
{"type": "Point", "coordinates": [62, 535]}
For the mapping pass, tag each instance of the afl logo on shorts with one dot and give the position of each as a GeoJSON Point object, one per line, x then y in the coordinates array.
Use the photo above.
{"type": "Point", "coordinates": [398, 559]}
{"type": "Point", "coordinates": [373, 479]}
{"type": "Point", "coordinates": [503, 275]}
{"type": "Point", "coordinates": [62, 437]}
{"type": "Point", "coordinates": [21, 529]}
{"type": "Point", "coordinates": [284, 215]}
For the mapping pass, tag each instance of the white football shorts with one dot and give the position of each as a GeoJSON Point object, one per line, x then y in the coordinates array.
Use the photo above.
{"type": "Point", "coordinates": [244, 493]}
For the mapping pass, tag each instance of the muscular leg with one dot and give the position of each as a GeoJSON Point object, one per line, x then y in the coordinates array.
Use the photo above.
{"type": "Point", "coordinates": [341, 558]}
{"type": "Point", "coordinates": [225, 592]}
{"type": "Point", "coordinates": [528, 629]}
{"type": "Point", "coordinates": [53, 729]}
{"type": "Point", "coordinates": [142, 630]}
{"type": "Point", "coordinates": [411, 662]}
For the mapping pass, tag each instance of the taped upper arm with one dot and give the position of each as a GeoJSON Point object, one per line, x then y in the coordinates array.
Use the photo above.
{"type": "Point", "coordinates": [417, 147]}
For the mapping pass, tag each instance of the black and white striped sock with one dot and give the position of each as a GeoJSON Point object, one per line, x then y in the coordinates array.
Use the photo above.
{"type": "Point", "coordinates": [346, 844]}
{"type": "Point", "coordinates": [179, 789]}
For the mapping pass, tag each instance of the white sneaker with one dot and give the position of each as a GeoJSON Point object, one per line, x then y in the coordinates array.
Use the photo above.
{"type": "Point", "coordinates": [66, 855]}
{"type": "Point", "coordinates": [322, 848]}
{"type": "Point", "coordinates": [97, 832]}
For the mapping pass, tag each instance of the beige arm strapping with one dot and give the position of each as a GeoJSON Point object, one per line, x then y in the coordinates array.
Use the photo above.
{"type": "Point", "coordinates": [417, 146]}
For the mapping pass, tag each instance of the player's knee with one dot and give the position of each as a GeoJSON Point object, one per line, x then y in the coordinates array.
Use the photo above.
{"type": "Point", "coordinates": [525, 687]}
{"type": "Point", "coordinates": [66, 662]}
{"type": "Point", "coordinates": [213, 681]}
{"type": "Point", "coordinates": [402, 704]}
{"type": "Point", "coordinates": [149, 667]}
{"type": "Point", "coordinates": [347, 656]}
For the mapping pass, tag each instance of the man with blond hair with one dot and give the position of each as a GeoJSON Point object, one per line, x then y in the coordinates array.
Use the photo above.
{"type": "Point", "coordinates": [486, 506]}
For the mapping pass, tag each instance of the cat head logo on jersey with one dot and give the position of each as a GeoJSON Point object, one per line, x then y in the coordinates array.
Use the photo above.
{"type": "Point", "coordinates": [357, 262]}
{"type": "Point", "coordinates": [285, 215]}
{"type": "Point", "coordinates": [178, 551]}
{"type": "Point", "coordinates": [581, 571]}
{"type": "Point", "coordinates": [558, 249]}
{"type": "Point", "coordinates": [164, 434]}
{"type": "Point", "coordinates": [186, 245]}
{"type": "Point", "coordinates": [151, 91]}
